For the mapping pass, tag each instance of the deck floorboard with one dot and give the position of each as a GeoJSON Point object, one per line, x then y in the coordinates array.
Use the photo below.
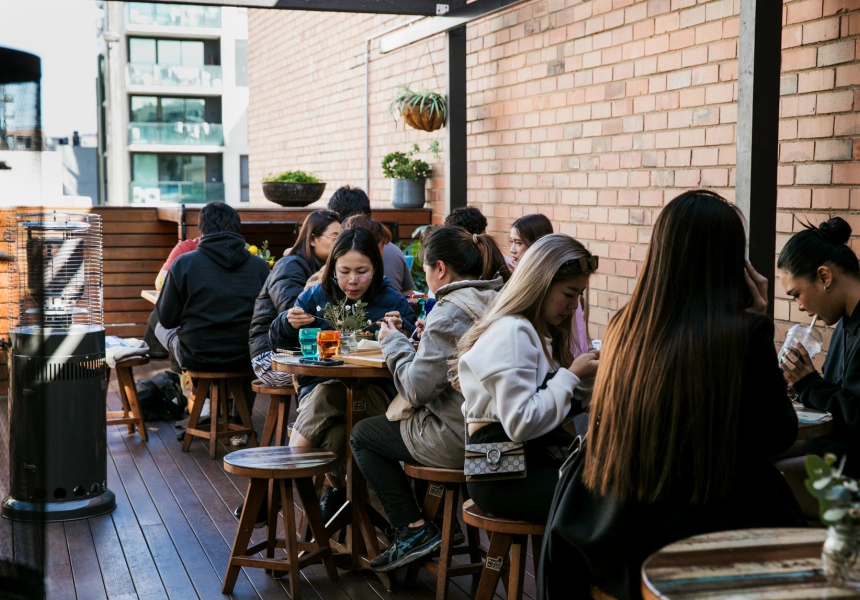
{"type": "Point", "coordinates": [171, 533]}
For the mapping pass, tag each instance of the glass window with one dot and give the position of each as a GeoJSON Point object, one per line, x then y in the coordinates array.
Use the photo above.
{"type": "Point", "coordinates": [242, 63]}
{"type": "Point", "coordinates": [169, 52]}
{"type": "Point", "coordinates": [195, 110]}
{"type": "Point", "coordinates": [144, 109]}
{"type": "Point", "coordinates": [182, 167]}
{"type": "Point", "coordinates": [144, 168]}
{"type": "Point", "coordinates": [141, 51]}
{"type": "Point", "coordinates": [172, 110]}
{"type": "Point", "coordinates": [244, 179]}
{"type": "Point", "coordinates": [192, 54]}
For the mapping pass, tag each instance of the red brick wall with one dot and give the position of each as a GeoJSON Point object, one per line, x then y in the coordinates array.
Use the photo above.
{"type": "Point", "coordinates": [593, 112]}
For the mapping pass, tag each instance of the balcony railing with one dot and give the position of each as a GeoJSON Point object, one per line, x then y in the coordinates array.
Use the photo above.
{"type": "Point", "coordinates": [207, 76]}
{"type": "Point", "coordinates": [189, 192]}
{"type": "Point", "coordinates": [176, 134]}
{"type": "Point", "coordinates": [172, 15]}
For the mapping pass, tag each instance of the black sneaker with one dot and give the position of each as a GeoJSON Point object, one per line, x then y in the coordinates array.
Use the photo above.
{"type": "Point", "coordinates": [459, 537]}
{"type": "Point", "coordinates": [262, 517]}
{"type": "Point", "coordinates": [331, 502]}
{"type": "Point", "coordinates": [408, 546]}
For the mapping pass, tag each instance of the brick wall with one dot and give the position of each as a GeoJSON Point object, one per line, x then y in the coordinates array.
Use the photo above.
{"type": "Point", "coordinates": [595, 113]}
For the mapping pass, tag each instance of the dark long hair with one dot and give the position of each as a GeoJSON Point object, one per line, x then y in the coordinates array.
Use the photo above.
{"type": "Point", "coordinates": [817, 246]}
{"type": "Point", "coordinates": [378, 230]}
{"type": "Point", "coordinates": [664, 414]}
{"type": "Point", "coordinates": [532, 227]}
{"type": "Point", "coordinates": [468, 255]}
{"type": "Point", "coordinates": [314, 226]}
{"type": "Point", "coordinates": [360, 240]}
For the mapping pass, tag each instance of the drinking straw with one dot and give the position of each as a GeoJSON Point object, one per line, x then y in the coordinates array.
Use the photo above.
{"type": "Point", "coordinates": [811, 325]}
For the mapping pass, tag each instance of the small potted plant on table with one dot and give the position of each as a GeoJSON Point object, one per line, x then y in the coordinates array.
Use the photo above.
{"type": "Point", "coordinates": [293, 188]}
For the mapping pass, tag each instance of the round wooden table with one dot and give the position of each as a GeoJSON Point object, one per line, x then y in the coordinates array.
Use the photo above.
{"type": "Point", "coordinates": [812, 423]}
{"type": "Point", "coordinates": [358, 517]}
{"type": "Point", "coordinates": [746, 563]}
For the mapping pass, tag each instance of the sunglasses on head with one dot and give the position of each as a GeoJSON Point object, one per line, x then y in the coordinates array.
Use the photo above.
{"type": "Point", "coordinates": [586, 264]}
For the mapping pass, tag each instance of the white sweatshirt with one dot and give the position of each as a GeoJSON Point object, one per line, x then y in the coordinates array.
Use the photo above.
{"type": "Point", "coordinates": [500, 377]}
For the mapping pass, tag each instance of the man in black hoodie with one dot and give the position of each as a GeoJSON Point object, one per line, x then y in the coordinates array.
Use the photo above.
{"type": "Point", "coordinates": [207, 301]}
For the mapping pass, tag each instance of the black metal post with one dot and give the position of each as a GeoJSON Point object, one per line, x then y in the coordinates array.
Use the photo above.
{"type": "Point", "coordinates": [456, 158]}
{"type": "Point", "coordinates": [759, 53]}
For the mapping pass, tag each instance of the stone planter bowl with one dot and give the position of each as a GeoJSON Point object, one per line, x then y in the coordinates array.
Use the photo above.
{"type": "Point", "coordinates": [293, 194]}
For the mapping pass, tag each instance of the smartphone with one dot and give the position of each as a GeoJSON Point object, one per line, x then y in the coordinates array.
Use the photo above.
{"type": "Point", "coordinates": [320, 363]}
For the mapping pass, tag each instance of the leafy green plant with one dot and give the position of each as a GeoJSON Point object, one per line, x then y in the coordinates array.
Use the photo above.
{"type": "Point", "coordinates": [346, 317]}
{"type": "Point", "coordinates": [413, 249]}
{"type": "Point", "coordinates": [293, 177]}
{"type": "Point", "coordinates": [262, 252]}
{"type": "Point", "coordinates": [838, 495]}
{"type": "Point", "coordinates": [401, 165]}
{"type": "Point", "coordinates": [434, 103]}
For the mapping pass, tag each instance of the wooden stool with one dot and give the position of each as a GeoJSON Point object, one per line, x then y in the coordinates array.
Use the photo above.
{"type": "Point", "coordinates": [130, 414]}
{"type": "Point", "coordinates": [218, 386]}
{"type": "Point", "coordinates": [505, 535]}
{"type": "Point", "coordinates": [443, 490]}
{"type": "Point", "coordinates": [275, 430]}
{"type": "Point", "coordinates": [265, 467]}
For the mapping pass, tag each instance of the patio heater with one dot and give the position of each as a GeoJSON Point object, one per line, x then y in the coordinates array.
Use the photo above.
{"type": "Point", "coordinates": [57, 443]}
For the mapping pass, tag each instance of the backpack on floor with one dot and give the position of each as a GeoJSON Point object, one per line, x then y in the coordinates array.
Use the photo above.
{"type": "Point", "coordinates": [161, 398]}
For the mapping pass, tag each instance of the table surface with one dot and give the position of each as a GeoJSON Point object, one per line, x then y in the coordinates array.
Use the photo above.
{"type": "Point", "coordinates": [746, 563]}
{"type": "Point", "coordinates": [812, 423]}
{"type": "Point", "coordinates": [291, 364]}
{"type": "Point", "coordinates": [151, 295]}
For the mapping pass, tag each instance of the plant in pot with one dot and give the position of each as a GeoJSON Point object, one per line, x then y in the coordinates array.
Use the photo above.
{"type": "Point", "coordinates": [408, 175]}
{"type": "Point", "coordinates": [839, 501]}
{"type": "Point", "coordinates": [420, 110]}
{"type": "Point", "coordinates": [293, 188]}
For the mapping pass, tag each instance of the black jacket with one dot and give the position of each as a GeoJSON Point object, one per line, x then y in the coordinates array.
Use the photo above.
{"type": "Point", "coordinates": [838, 392]}
{"type": "Point", "coordinates": [593, 539]}
{"type": "Point", "coordinates": [209, 295]}
{"type": "Point", "coordinates": [279, 293]}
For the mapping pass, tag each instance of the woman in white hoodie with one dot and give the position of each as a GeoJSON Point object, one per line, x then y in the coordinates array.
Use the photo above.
{"type": "Point", "coordinates": [517, 373]}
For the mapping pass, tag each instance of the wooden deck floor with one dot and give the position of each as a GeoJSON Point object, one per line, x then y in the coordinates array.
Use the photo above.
{"type": "Point", "coordinates": [171, 532]}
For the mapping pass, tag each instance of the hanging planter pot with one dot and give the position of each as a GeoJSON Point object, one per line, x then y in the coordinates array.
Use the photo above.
{"type": "Point", "coordinates": [426, 111]}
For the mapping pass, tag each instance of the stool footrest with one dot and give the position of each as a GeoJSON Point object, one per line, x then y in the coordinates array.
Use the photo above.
{"type": "Point", "coordinates": [233, 430]}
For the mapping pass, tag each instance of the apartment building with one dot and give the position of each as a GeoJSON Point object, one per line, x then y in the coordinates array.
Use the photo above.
{"type": "Point", "coordinates": [174, 91]}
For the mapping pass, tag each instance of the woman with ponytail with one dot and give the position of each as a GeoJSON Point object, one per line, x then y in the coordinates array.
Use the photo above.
{"type": "Point", "coordinates": [464, 271]}
{"type": "Point", "coordinates": [820, 271]}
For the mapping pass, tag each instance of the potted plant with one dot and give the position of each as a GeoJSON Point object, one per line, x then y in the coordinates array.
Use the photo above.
{"type": "Point", "coordinates": [407, 176]}
{"type": "Point", "coordinates": [263, 252]}
{"type": "Point", "coordinates": [348, 319]}
{"type": "Point", "coordinates": [839, 501]}
{"type": "Point", "coordinates": [420, 110]}
{"type": "Point", "coordinates": [293, 188]}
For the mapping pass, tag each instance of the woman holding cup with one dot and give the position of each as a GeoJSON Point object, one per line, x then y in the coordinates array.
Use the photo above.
{"type": "Point", "coordinates": [820, 271]}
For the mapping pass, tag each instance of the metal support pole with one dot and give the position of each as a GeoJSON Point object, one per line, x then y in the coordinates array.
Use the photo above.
{"type": "Point", "coordinates": [759, 52]}
{"type": "Point", "coordinates": [455, 155]}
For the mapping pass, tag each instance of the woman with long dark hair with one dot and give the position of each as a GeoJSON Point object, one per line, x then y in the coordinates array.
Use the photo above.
{"type": "Point", "coordinates": [355, 271]}
{"type": "Point", "coordinates": [820, 271]}
{"type": "Point", "coordinates": [688, 405]}
{"type": "Point", "coordinates": [283, 286]}
{"type": "Point", "coordinates": [461, 269]}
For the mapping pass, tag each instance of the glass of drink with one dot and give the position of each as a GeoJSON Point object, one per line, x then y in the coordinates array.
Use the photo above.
{"type": "Point", "coordinates": [808, 337]}
{"type": "Point", "coordinates": [308, 342]}
{"type": "Point", "coordinates": [328, 343]}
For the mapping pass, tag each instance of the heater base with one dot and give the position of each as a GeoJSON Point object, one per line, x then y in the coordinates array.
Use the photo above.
{"type": "Point", "coordinates": [53, 512]}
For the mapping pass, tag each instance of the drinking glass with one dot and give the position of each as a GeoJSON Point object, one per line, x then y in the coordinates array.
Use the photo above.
{"type": "Point", "coordinates": [810, 338]}
{"type": "Point", "coordinates": [308, 342]}
{"type": "Point", "coordinates": [328, 343]}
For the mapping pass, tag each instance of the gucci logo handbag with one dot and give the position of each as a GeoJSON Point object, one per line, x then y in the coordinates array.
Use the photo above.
{"type": "Point", "coordinates": [495, 461]}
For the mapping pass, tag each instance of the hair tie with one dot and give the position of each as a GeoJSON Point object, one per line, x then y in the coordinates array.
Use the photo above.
{"type": "Point", "coordinates": [475, 238]}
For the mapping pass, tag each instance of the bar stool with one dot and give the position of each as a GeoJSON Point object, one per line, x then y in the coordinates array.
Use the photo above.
{"type": "Point", "coordinates": [443, 491]}
{"type": "Point", "coordinates": [274, 469]}
{"type": "Point", "coordinates": [275, 431]}
{"type": "Point", "coordinates": [506, 535]}
{"type": "Point", "coordinates": [217, 387]}
{"type": "Point", "coordinates": [130, 414]}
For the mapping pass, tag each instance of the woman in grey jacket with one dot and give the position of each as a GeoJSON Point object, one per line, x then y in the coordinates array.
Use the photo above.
{"type": "Point", "coordinates": [464, 271]}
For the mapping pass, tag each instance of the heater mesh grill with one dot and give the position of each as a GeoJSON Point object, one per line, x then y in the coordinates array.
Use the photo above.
{"type": "Point", "coordinates": [67, 291]}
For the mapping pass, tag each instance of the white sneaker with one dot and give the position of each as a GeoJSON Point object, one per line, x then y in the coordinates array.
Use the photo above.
{"type": "Point", "coordinates": [239, 440]}
{"type": "Point", "coordinates": [207, 410]}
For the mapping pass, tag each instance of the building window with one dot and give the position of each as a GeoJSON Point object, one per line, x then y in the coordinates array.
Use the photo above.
{"type": "Point", "coordinates": [153, 109]}
{"type": "Point", "coordinates": [242, 63]}
{"type": "Point", "coordinates": [147, 51]}
{"type": "Point", "coordinates": [244, 179]}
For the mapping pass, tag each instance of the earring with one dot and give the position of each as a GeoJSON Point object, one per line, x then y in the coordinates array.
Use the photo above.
{"type": "Point", "coordinates": [827, 288]}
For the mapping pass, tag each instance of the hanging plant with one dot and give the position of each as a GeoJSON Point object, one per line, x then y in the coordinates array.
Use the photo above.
{"type": "Point", "coordinates": [423, 110]}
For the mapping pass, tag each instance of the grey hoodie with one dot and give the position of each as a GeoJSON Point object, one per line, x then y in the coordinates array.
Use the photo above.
{"type": "Point", "coordinates": [434, 434]}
